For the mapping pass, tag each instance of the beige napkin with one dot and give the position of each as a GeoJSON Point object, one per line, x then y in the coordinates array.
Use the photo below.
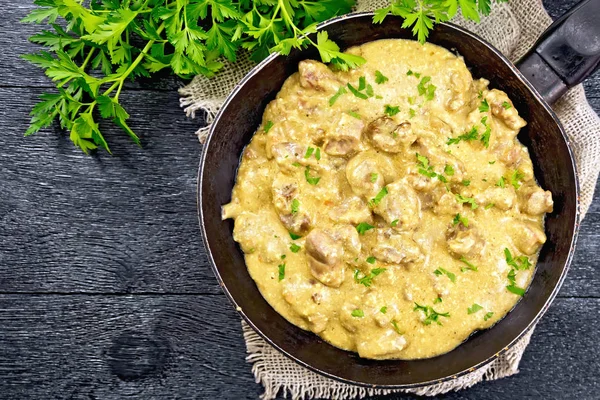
{"type": "Point", "coordinates": [512, 28]}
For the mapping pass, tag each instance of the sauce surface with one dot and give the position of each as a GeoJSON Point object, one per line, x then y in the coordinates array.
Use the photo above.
{"type": "Point", "coordinates": [390, 209]}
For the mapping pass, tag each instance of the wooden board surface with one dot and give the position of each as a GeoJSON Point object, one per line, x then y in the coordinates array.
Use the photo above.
{"type": "Point", "coordinates": [105, 289]}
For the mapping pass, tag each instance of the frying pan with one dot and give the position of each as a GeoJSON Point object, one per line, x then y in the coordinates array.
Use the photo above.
{"type": "Point", "coordinates": [563, 57]}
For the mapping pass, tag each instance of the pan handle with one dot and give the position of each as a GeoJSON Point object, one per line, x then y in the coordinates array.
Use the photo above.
{"type": "Point", "coordinates": [566, 53]}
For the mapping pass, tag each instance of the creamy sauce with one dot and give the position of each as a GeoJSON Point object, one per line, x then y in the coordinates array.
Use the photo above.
{"type": "Point", "coordinates": [403, 222]}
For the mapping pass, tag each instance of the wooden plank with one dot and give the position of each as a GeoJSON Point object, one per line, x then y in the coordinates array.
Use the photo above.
{"type": "Point", "coordinates": [120, 223]}
{"type": "Point", "coordinates": [81, 346]}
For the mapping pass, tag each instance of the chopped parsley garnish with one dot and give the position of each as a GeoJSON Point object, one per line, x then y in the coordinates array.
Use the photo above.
{"type": "Point", "coordinates": [485, 137]}
{"type": "Point", "coordinates": [425, 168]}
{"type": "Point", "coordinates": [488, 315]}
{"type": "Point", "coordinates": [490, 205]}
{"type": "Point", "coordinates": [516, 290]}
{"type": "Point", "coordinates": [480, 94]}
{"type": "Point", "coordinates": [394, 223]}
{"type": "Point", "coordinates": [449, 170]}
{"type": "Point", "coordinates": [391, 110]}
{"type": "Point", "coordinates": [506, 105]}
{"type": "Point", "coordinates": [466, 182]}
{"type": "Point", "coordinates": [519, 263]}
{"type": "Point", "coordinates": [374, 177]}
{"type": "Point", "coordinates": [362, 83]}
{"type": "Point", "coordinates": [367, 280]}
{"type": "Point", "coordinates": [412, 112]}
{"type": "Point", "coordinates": [461, 199]}
{"type": "Point", "coordinates": [363, 227]}
{"type": "Point", "coordinates": [294, 236]}
{"type": "Point", "coordinates": [474, 308]}
{"type": "Point", "coordinates": [355, 92]}
{"type": "Point", "coordinates": [469, 266]}
{"type": "Point", "coordinates": [426, 89]}
{"type": "Point", "coordinates": [358, 313]}
{"type": "Point", "coordinates": [294, 248]}
{"type": "Point", "coordinates": [281, 268]}
{"type": "Point", "coordinates": [492, 162]}
{"type": "Point", "coordinates": [377, 199]}
{"type": "Point", "coordinates": [295, 206]}
{"type": "Point", "coordinates": [515, 177]}
{"type": "Point", "coordinates": [318, 154]}
{"type": "Point", "coordinates": [441, 271]}
{"type": "Point", "coordinates": [430, 314]}
{"type": "Point", "coordinates": [337, 95]}
{"type": "Point", "coordinates": [353, 114]}
{"type": "Point", "coordinates": [371, 260]}
{"type": "Point", "coordinates": [437, 300]}
{"type": "Point", "coordinates": [309, 152]}
{"type": "Point", "coordinates": [309, 179]}
{"type": "Point", "coordinates": [296, 164]}
{"type": "Point", "coordinates": [383, 310]}
{"type": "Point", "coordinates": [471, 135]}
{"type": "Point", "coordinates": [380, 78]}
{"type": "Point", "coordinates": [484, 106]}
{"type": "Point", "coordinates": [396, 328]}
{"type": "Point", "coordinates": [268, 125]}
{"type": "Point", "coordinates": [283, 256]}
{"type": "Point", "coordinates": [416, 74]}
{"type": "Point", "coordinates": [501, 182]}
{"type": "Point", "coordinates": [411, 100]}
{"type": "Point", "coordinates": [458, 219]}
{"type": "Point", "coordinates": [369, 91]}
{"type": "Point", "coordinates": [378, 97]}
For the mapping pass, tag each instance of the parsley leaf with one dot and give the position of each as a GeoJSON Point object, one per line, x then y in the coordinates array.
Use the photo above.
{"type": "Point", "coordinates": [488, 315]}
{"type": "Point", "coordinates": [281, 268]}
{"type": "Point", "coordinates": [374, 177]}
{"type": "Point", "coordinates": [367, 280]}
{"type": "Point", "coordinates": [358, 313]}
{"type": "Point", "coordinates": [295, 206]}
{"type": "Point", "coordinates": [458, 219]}
{"type": "Point", "coordinates": [484, 106]}
{"type": "Point", "coordinates": [383, 310]}
{"type": "Point", "coordinates": [377, 199]}
{"type": "Point", "coordinates": [515, 177]}
{"type": "Point", "coordinates": [396, 328]}
{"type": "Point", "coordinates": [441, 271]}
{"type": "Point", "coordinates": [309, 179]}
{"type": "Point", "coordinates": [519, 263]}
{"type": "Point", "coordinates": [394, 223]}
{"type": "Point", "coordinates": [318, 154]}
{"type": "Point", "coordinates": [337, 95]}
{"type": "Point", "coordinates": [461, 199]}
{"type": "Point", "coordinates": [471, 135]}
{"type": "Point", "coordinates": [430, 314]}
{"type": "Point", "coordinates": [294, 236]}
{"type": "Point", "coordinates": [371, 260]}
{"type": "Point", "coordinates": [506, 105]}
{"type": "Point", "coordinates": [268, 125]}
{"type": "Point", "coordinates": [469, 266]}
{"type": "Point", "coordinates": [380, 78]}
{"type": "Point", "coordinates": [353, 114]}
{"type": "Point", "coordinates": [516, 290]}
{"type": "Point", "coordinates": [363, 227]}
{"type": "Point", "coordinates": [474, 308]}
{"type": "Point", "coordinates": [501, 182]}
{"type": "Point", "coordinates": [294, 248]}
{"type": "Point", "coordinates": [391, 110]}
{"type": "Point", "coordinates": [309, 152]}
{"type": "Point", "coordinates": [357, 93]}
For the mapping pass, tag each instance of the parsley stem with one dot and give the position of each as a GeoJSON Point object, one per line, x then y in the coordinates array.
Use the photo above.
{"type": "Point", "coordinates": [87, 59]}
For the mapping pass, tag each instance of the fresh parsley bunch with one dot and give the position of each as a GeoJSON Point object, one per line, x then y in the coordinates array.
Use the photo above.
{"type": "Point", "coordinates": [92, 47]}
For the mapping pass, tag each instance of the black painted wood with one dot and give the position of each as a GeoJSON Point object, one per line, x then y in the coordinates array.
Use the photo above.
{"type": "Point", "coordinates": [105, 290]}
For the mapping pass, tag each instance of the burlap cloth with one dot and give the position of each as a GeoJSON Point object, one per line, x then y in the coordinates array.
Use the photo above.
{"type": "Point", "coordinates": [512, 28]}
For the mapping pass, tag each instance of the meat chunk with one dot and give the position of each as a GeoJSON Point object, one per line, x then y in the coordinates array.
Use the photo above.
{"type": "Point", "coordinates": [460, 83]}
{"type": "Point", "coordinates": [287, 154]}
{"type": "Point", "coordinates": [396, 248]}
{"type": "Point", "coordinates": [316, 75]}
{"type": "Point", "coordinates": [388, 135]}
{"type": "Point", "coordinates": [325, 257]}
{"type": "Point", "coordinates": [400, 207]}
{"type": "Point", "coordinates": [502, 198]}
{"type": "Point", "coordinates": [537, 201]}
{"type": "Point", "coordinates": [447, 205]}
{"type": "Point", "coordinates": [364, 176]}
{"type": "Point", "coordinates": [380, 344]}
{"type": "Point", "coordinates": [515, 156]}
{"type": "Point", "coordinates": [348, 236]}
{"type": "Point", "coordinates": [503, 109]}
{"type": "Point", "coordinates": [353, 210]}
{"type": "Point", "coordinates": [257, 233]}
{"type": "Point", "coordinates": [528, 237]}
{"type": "Point", "coordinates": [441, 160]}
{"type": "Point", "coordinates": [309, 299]}
{"type": "Point", "coordinates": [463, 241]}
{"type": "Point", "coordinates": [284, 191]}
{"type": "Point", "coordinates": [344, 137]}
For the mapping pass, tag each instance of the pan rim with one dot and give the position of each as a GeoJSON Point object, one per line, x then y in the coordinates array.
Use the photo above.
{"type": "Point", "coordinates": [200, 179]}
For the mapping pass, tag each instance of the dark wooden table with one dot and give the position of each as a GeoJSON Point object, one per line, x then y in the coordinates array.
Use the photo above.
{"type": "Point", "coordinates": [105, 288]}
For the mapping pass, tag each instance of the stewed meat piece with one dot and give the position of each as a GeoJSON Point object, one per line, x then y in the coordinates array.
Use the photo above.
{"type": "Point", "coordinates": [325, 258]}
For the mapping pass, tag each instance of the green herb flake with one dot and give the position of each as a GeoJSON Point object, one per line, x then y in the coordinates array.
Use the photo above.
{"type": "Point", "coordinates": [488, 315]}
{"type": "Point", "coordinates": [469, 136]}
{"type": "Point", "coordinates": [374, 177]}
{"type": "Point", "coordinates": [394, 223]}
{"type": "Point", "coordinates": [294, 248]}
{"type": "Point", "coordinates": [484, 106]}
{"type": "Point", "coordinates": [449, 170]}
{"type": "Point", "coordinates": [488, 206]}
{"type": "Point", "coordinates": [281, 268]}
{"type": "Point", "coordinates": [474, 308]}
{"type": "Point", "coordinates": [469, 266]}
{"type": "Point", "coordinates": [309, 179]}
{"type": "Point", "coordinates": [462, 199]}
{"type": "Point", "coordinates": [396, 328]}
{"type": "Point", "coordinates": [519, 263]}
{"type": "Point", "coordinates": [506, 105]}
{"type": "Point", "coordinates": [430, 314]}
{"type": "Point", "coordinates": [357, 93]}
{"type": "Point", "coordinates": [412, 113]}
{"type": "Point", "coordinates": [369, 91]}
{"type": "Point", "coordinates": [296, 164]}
{"type": "Point", "coordinates": [362, 83]}
{"type": "Point", "coordinates": [492, 162]}
{"type": "Point", "coordinates": [458, 219]}
{"type": "Point", "coordinates": [294, 236]}
{"type": "Point", "coordinates": [441, 271]}
{"type": "Point", "coordinates": [358, 313]}
{"type": "Point", "coordinates": [501, 182]}
{"type": "Point", "coordinates": [516, 290]}
{"type": "Point", "coordinates": [437, 300]}
{"type": "Point", "coordinates": [363, 227]}
{"type": "Point", "coordinates": [391, 111]}
{"type": "Point", "coordinates": [309, 152]}
{"type": "Point", "coordinates": [466, 182]}
{"type": "Point", "coordinates": [337, 95]}
{"type": "Point", "coordinates": [295, 206]}
{"type": "Point", "coordinates": [367, 279]}
{"type": "Point", "coordinates": [480, 94]}
{"type": "Point", "coordinates": [268, 125]}
{"type": "Point", "coordinates": [380, 78]}
{"type": "Point", "coordinates": [485, 136]}
{"type": "Point", "coordinates": [377, 199]}
{"type": "Point", "coordinates": [353, 114]}
{"type": "Point", "coordinates": [383, 310]}
{"type": "Point", "coordinates": [318, 154]}
{"type": "Point", "coordinates": [371, 260]}
{"type": "Point", "coordinates": [411, 100]}
{"type": "Point", "coordinates": [425, 88]}
{"type": "Point", "coordinates": [515, 178]}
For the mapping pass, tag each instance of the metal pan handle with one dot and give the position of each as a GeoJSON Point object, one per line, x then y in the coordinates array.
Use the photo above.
{"type": "Point", "coordinates": [566, 53]}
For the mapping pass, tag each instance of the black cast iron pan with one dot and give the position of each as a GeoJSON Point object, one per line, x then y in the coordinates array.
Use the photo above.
{"type": "Point", "coordinates": [569, 51]}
